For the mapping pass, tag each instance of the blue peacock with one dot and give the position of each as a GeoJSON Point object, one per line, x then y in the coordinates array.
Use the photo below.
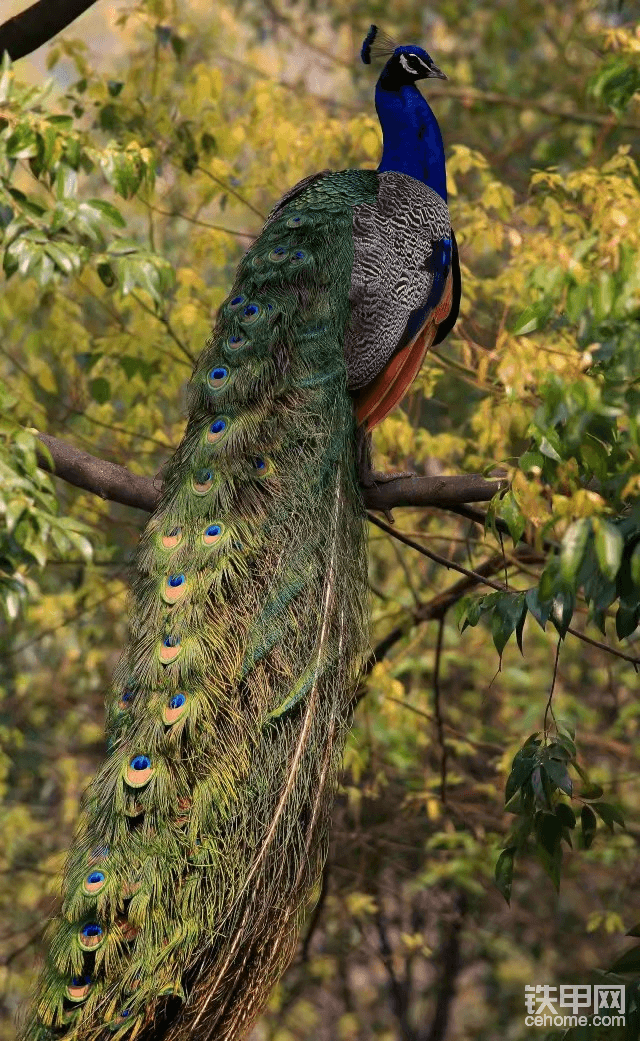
{"type": "Point", "coordinates": [202, 839]}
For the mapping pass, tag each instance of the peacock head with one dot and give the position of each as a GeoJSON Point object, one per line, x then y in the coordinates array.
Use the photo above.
{"type": "Point", "coordinates": [406, 64]}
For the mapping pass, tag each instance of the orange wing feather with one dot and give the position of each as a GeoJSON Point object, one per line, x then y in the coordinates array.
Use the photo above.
{"type": "Point", "coordinates": [379, 397]}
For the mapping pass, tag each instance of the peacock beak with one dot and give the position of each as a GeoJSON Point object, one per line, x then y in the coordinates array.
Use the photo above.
{"type": "Point", "coordinates": [436, 73]}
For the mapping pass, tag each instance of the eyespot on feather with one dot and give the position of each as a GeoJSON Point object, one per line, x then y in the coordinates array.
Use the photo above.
{"type": "Point", "coordinates": [217, 429]}
{"type": "Point", "coordinates": [78, 988]}
{"type": "Point", "coordinates": [171, 538]}
{"type": "Point", "coordinates": [202, 482]}
{"type": "Point", "coordinates": [217, 377]}
{"type": "Point", "coordinates": [125, 700]}
{"type": "Point", "coordinates": [124, 1018]}
{"type": "Point", "coordinates": [251, 313]}
{"type": "Point", "coordinates": [235, 343]}
{"type": "Point", "coordinates": [212, 534]}
{"type": "Point", "coordinates": [169, 649]}
{"type": "Point", "coordinates": [262, 467]}
{"type": "Point", "coordinates": [94, 882]}
{"type": "Point", "coordinates": [237, 302]}
{"type": "Point", "coordinates": [174, 589]}
{"type": "Point", "coordinates": [138, 771]}
{"type": "Point", "coordinates": [91, 935]}
{"type": "Point", "coordinates": [298, 257]}
{"type": "Point", "coordinates": [175, 708]}
{"type": "Point", "coordinates": [295, 222]}
{"type": "Point", "coordinates": [277, 255]}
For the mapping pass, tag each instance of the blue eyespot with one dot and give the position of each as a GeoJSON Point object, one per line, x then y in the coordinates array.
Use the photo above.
{"type": "Point", "coordinates": [237, 301]}
{"type": "Point", "coordinates": [95, 877]}
{"type": "Point", "coordinates": [80, 981]}
{"type": "Point", "coordinates": [234, 343]}
{"type": "Point", "coordinates": [217, 426]}
{"type": "Point", "coordinates": [141, 762]}
{"type": "Point", "coordinates": [217, 377]}
{"type": "Point", "coordinates": [170, 641]}
{"type": "Point", "coordinates": [127, 696]}
{"type": "Point", "coordinates": [212, 533]}
{"type": "Point", "coordinates": [177, 701]}
{"type": "Point", "coordinates": [202, 482]}
{"type": "Point", "coordinates": [176, 580]}
{"type": "Point", "coordinates": [293, 222]}
{"type": "Point", "coordinates": [259, 464]}
{"type": "Point", "coordinates": [251, 310]}
{"type": "Point", "coordinates": [278, 254]}
{"type": "Point", "coordinates": [91, 929]}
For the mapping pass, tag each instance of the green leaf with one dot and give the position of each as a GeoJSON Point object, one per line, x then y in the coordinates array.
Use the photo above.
{"type": "Point", "coordinates": [547, 449]}
{"type": "Point", "coordinates": [510, 512]}
{"type": "Point", "coordinates": [108, 210]}
{"type": "Point", "coordinates": [537, 783]}
{"type": "Point", "coordinates": [504, 872]}
{"type": "Point", "coordinates": [609, 546]}
{"type": "Point", "coordinates": [22, 143]}
{"type": "Point", "coordinates": [100, 389]}
{"type": "Point", "coordinates": [548, 828]}
{"type": "Point", "coordinates": [532, 318]}
{"type": "Point", "coordinates": [634, 565]}
{"type": "Point", "coordinates": [588, 825]}
{"type": "Point", "coordinates": [591, 792]}
{"type": "Point", "coordinates": [520, 772]}
{"type": "Point", "coordinates": [565, 815]}
{"type": "Point", "coordinates": [540, 609]}
{"type": "Point", "coordinates": [626, 620]}
{"type": "Point", "coordinates": [559, 774]}
{"type": "Point", "coordinates": [562, 611]}
{"type": "Point", "coordinates": [573, 549]}
{"type": "Point", "coordinates": [609, 814]}
{"type": "Point", "coordinates": [507, 612]}
{"type": "Point", "coordinates": [595, 458]}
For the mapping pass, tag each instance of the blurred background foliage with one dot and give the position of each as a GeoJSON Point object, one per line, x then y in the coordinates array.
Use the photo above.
{"type": "Point", "coordinates": [128, 189]}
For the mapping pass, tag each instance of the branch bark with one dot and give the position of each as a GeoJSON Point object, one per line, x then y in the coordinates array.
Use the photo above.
{"type": "Point", "coordinates": [38, 24]}
{"type": "Point", "coordinates": [116, 483]}
{"type": "Point", "coordinates": [108, 480]}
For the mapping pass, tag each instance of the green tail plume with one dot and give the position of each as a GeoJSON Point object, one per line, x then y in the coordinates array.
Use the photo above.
{"type": "Point", "coordinates": [203, 836]}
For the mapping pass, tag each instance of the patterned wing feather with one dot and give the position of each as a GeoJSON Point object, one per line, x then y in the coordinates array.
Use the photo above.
{"type": "Point", "coordinates": [401, 289]}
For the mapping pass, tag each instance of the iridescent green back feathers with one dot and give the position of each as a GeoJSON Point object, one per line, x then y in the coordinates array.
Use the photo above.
{"type": "Point", "coordinates": [204, 834]}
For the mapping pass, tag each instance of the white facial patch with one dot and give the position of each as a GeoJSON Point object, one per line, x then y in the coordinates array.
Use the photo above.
{"type": "Point", "coordinates": [407, 67]}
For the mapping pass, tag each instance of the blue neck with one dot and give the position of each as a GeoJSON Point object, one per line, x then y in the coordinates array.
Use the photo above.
{"type": "Point", "coordinates": [412, 142]}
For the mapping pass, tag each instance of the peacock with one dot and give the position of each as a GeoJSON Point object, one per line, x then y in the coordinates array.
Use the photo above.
{"type": "Point", "coordinates": [202, 839]}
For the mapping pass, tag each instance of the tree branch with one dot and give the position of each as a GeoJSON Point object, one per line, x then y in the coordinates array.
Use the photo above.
{"type": "Point", "coordinates": [108, 480]}
{"type": "Point", "coordinates": [38, 24]}
{"type": "Point", "coordinates": [116, 483]}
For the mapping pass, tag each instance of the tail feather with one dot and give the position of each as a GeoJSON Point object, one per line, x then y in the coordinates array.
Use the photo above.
{"type": "Point", "coordinates": [203, 837]}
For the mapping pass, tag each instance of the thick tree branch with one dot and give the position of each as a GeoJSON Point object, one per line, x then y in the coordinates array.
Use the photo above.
{"type": "Point", "coordinates": [116, 483]}
{"type": "Point", "coordinates": [38, 24]}
{"type": "Point", "coordinates": [108, 480]}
